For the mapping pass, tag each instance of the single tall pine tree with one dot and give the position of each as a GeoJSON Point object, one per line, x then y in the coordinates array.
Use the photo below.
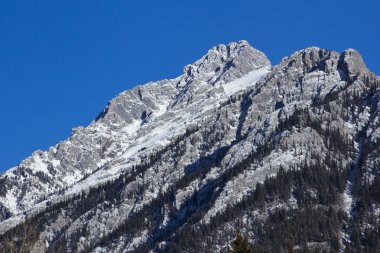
{"type": "Point", "coordinates": [240, 244]}
{"type": "Point", "coordinates": [291, 249]}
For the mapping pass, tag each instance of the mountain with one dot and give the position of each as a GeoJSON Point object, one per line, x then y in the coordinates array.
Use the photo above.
{"type": "Point", "coordinates": [288, 154]}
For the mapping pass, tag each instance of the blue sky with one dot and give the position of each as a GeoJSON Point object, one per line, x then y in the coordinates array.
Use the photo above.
{"type": "Point", "coordinates": [62, 61]}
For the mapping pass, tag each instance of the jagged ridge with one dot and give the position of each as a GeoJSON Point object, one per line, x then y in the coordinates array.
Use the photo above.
{"type": "Point", "coordinates": [177, 155]}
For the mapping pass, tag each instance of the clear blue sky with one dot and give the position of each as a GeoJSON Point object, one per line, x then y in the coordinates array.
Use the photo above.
{"type": "Point", "coordinates": [61, 61]}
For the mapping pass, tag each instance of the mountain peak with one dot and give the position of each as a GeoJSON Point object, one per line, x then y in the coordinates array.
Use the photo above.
{"type": "Point", "coordinates": [351, 62]}
{"type": "Point", "coordinates": [231, 48]}
{"type": "Point", "coordinates": [220, 65]}
{"type": "Point", "coordinates": [312, 58]}
{"type": "Point", "coordinates": [225, 63]}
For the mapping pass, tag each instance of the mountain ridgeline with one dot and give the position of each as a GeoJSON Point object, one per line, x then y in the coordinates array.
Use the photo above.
{"type": "Point", "coordinates": [287, 154]}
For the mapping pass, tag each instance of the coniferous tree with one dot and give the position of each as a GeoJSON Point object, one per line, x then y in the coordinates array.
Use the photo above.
{"type": "Point", "coordinates": [291, 249]}
{"type": "Point", "coordinates": [240, 244]}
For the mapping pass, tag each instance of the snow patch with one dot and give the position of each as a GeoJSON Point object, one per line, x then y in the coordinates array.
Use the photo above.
{"type": "Point", "coordinates": [38, 164]}
{"type": "Point", "coordinates": [248, 80]}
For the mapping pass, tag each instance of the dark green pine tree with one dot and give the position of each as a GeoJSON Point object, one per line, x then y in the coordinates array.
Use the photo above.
{"type": "Point", "coordinates": [291, 249]}
{"type": "Point", "coordinates": [240, 244]}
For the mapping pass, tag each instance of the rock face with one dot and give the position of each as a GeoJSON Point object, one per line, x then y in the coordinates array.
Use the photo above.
{"type": "Point", "coordinates": [352, 63]}
{"type": "Point", "coordinates": [231, 143]}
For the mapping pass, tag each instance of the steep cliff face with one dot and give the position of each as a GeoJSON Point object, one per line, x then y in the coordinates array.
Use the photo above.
{"type": "Point", "coordinates": [232, 142]}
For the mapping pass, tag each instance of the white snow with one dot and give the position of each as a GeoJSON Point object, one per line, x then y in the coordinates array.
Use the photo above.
{"type": "Point", "coordinates": [56, 162]}
{"type": "Point", "coordinates": [248, 80]}
{"type": "Point", "coordinates": [38, 164]}
{"type": "Point", "coordinates": [11, 200]}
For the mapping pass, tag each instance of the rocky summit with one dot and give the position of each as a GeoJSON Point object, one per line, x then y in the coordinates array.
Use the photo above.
{"type": "Point", "coordinates": [287, 154]}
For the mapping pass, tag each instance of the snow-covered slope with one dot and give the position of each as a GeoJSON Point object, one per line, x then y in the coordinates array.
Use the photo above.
{"type": "Point", "coordinates": [177, 155]}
